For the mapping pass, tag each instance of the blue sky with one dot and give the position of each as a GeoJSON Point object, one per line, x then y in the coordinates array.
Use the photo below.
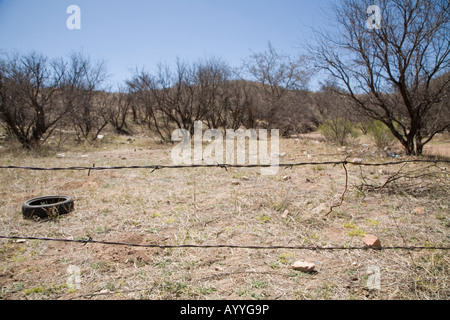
{"type": "Point", "coordinates": [138, 33]}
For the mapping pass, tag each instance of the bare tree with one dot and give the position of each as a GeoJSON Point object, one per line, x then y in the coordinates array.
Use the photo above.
{"type": "Point", "coordinates": [181, 96]}
{"type": "Point", "coordinates": [148, 99]}
{"type": "Point", "coordinates": [120, 105]}
{"type": "Point", "coordinates": [210, 91]}
{"type": "Point", "coordinates": [29, 97]}
{"type": "Point", "coordinates": [177, 97]}
{"type": "Point", "coordinates": [388, 72]}
{"type": "Point", "coordinates": [82, 80]}
{"type": "Point", "coordinates": [242, 105]}
{"type": "Point", "coordinates": [278, 74]}
{"type": "Point", "coordinates": [212, 77]}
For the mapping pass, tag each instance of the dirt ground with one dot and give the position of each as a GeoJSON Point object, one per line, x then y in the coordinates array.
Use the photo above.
{"type": "Point", "coordinates": [204, 206]}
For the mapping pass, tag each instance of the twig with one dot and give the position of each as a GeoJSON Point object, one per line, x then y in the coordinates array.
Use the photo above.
{"type": "Point", "coordinates": [343, 194]}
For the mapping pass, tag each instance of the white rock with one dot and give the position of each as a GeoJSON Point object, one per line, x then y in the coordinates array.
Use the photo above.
{"type": "Point", "coordinates": [100, 137]}
{"type": "Point", "coordinates": [321, 209]}
{"type": "Point", "coordinates": [303, 266]}
{"type": "Point", "coordinates": [279, 155]}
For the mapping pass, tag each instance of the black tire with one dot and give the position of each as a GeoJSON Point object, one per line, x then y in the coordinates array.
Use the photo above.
{"type": "Point", "coordinates": [49, 206]}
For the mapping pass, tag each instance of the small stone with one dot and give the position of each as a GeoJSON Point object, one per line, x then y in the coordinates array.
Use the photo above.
{"type": "Point", "coordinates": [357, 160]}
{"type": "Point", "coordinates": [278, 155]}
{"type": "Point", "coordinates": [217, 268]}
{"type": "Point", "coordinates": [245, 178]}
{"type": "Point", "coordinates": [286, 178]}
{"type": "Point", "coordinates": [303, 266]}
{"type": "Point", "coordinates": [419, 210]}
{"type": "Point", "coordinates": [372, 241]}
{"type": "Point", "coordinates": [61, 155]}
{"type": "Point", "coordinates": [285, 214]}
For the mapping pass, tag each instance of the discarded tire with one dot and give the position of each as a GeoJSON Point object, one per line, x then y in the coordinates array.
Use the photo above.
{"type": "Point", "coordinates": [49, 206]}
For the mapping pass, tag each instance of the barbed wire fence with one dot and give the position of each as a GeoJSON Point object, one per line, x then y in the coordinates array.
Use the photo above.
{"type": "Point", "coordinates": [344, 164]}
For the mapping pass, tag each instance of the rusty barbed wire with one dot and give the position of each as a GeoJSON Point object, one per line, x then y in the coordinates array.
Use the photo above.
{"type": "Point", "coordinates": [89, 240]}
{"type": "Point", "coordinates": [224, 165]}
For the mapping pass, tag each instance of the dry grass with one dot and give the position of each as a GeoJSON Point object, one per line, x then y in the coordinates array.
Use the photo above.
{"type": "Point", "coordinates": [214, 206]}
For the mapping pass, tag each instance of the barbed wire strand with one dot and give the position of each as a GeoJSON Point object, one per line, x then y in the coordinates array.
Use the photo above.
{"type": "Point", "coordinates": [229, 246]}
{"type": "Point", "coordinates": [224, 166]}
